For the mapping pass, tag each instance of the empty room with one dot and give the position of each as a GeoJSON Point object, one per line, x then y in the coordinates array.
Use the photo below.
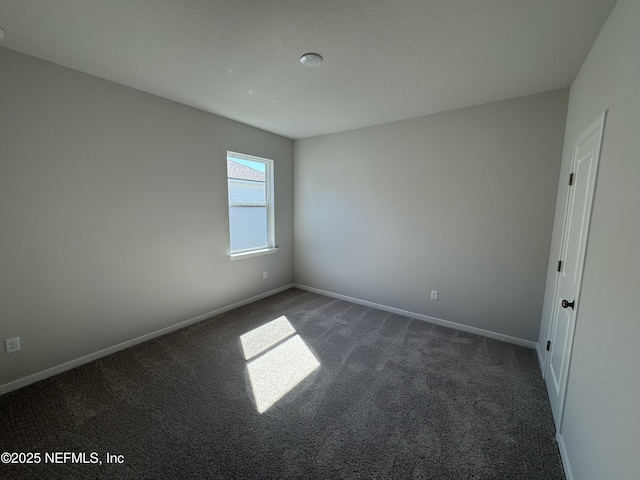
{"type": "Point", "coordinates": [336, 240]}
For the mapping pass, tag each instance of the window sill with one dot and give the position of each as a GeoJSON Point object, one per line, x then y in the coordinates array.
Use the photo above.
{"type": "Point", "coordinates": [252, 253]}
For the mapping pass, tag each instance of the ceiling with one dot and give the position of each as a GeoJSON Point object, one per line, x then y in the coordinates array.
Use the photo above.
{"type": "Point", "coordinates": [383, 60]}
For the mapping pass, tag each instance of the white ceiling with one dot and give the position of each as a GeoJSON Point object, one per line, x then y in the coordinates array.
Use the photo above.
{"type": "Point", "coordinates": [383, 60]}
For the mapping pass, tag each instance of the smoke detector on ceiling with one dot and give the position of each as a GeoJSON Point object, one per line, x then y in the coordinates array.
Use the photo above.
{"type": "Point", "coordinates": [310, 59]}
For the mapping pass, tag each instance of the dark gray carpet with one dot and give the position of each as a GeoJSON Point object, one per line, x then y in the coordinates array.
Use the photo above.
{"type": "Point", "coordinates": [393, 398]}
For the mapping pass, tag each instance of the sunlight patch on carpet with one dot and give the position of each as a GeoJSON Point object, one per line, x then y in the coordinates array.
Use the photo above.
{"type": "Point", "coordinates": [266, 336]}
{"type": "Point", "coordinates": [280, 366]}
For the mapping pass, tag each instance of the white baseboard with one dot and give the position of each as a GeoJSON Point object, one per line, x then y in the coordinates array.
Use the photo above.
{"type": "Point", "coordinates": [23, 382]}
{"type": "Point", "coordinates": [419, 316]}
{"type": "Point", "coordinates": [565, 458]}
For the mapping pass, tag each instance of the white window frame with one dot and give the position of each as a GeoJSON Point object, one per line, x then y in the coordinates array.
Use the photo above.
{"type": "Point", "coordinates": [271, 230]}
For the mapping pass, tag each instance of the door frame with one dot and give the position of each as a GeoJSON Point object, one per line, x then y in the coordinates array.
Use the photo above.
{"type": "Point", "coordinates": [597, 127]}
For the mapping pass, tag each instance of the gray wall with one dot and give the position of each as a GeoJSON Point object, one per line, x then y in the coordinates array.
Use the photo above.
{"type": "Point", "coordinates": [601, 426]}
{"type": "Point", "coordinates": [113, 214]}
{"type": "Point", "coordinates": [461, 202]}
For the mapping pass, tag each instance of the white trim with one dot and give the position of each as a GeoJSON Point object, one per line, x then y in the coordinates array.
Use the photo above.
{"type": "Point", "coordinates": [247, 156]}
{"type": "Point", "coordinates": [541, 360]}
{"type": "Point", "coordinates": [425, 318]}
{"type": "Point", "coordinates": [23, 382]}
{"type": "Point", "coordinates": [269, 174]}
{"type": "Point", "coordinates": [564, 456]}
{"type": "Point", "coordinates": [252, 253]}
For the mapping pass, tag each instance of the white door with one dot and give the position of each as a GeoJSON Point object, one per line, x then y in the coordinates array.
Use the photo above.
{"type": "Point", "coordinates": [584, 167]}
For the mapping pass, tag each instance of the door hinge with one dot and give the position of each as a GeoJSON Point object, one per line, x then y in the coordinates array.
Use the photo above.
{"type": "Point", "coordinates": [559, 265]}
{"type": "Point", "coordinates": [548, 345]}
{"type": "Point", "coordinates": [571, 179]}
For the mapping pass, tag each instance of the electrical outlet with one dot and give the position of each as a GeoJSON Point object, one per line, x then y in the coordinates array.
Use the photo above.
{"type": "Point", "coordinates": [434, 294]}
{"type": "Point", "coordinates": [265, 275]}
{"type": "Point", "coordinates": [12, 345]}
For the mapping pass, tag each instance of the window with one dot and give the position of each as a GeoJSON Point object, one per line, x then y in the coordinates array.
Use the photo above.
{"type": "Point", "coordinates": [251, 219]}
